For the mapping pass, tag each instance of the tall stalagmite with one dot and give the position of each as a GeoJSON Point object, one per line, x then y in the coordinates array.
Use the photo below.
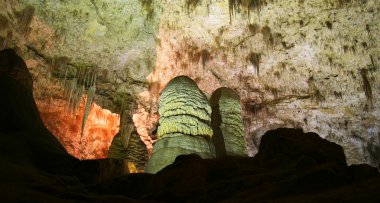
{"type": "Point", "coordinates": [127, 144]}
{"type": "Point", "coordinates": [184, 126]}
{"type": "Point", "coordinates": [227, 123]}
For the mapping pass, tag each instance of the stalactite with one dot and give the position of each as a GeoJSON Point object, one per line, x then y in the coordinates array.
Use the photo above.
{"type": "Point", "coordinates": [25, 17]}
{"type": "Point", "coordinates": [247, 5]}
{"type": "Point", "coordinates": [80, 93]}
{"type": "Point", "coordinates": [366, 86]}
{"type": "Point", "coordinates": [254, 59]}
{"type": "Point", "coordinates": [64, 79]}
{"type": "Point", "coordinates": [3, 22]}
{"type": "Point", "coordinates": [148, 7]}
{"type": "Point", "coordinates": [72, 89]}
{"type": "Point", "coordinates": [205, 57]}
{"type": "Point", "coordinates": [191, 5]}
{"type": "Point", "coordinates": [86, 76]}
{"type": "Point", "coordinates": [90, 96]}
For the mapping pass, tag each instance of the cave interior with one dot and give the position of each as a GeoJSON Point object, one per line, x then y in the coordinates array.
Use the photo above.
{"type": "Point", "coordinates": [189, 101]}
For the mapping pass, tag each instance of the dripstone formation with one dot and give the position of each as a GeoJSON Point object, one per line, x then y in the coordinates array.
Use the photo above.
{"type": "Point", "coordinates": [127, 145]}
{"type": "Point", "coordinates": [184, 126]}
{"type": "Point", "coordinates": [227, 123]}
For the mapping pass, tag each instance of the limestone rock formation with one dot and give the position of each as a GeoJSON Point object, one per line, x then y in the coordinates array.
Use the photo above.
{"type": "Point", "coordinates": [300, 64]}
{"type": "Point", "coordinates": [129, 148]}
{"type": "Point", "coordinates": [120, 143]}
{"type": "Point", "coordinates": [291, 166]}
{"type": "Point", "coordinates": [166, 150]}
{"type": "Point", "coordinates": [295, 64]}
{"type": "Point", "coordinates": [184, 125]}
{"type": "Point", "coordinates": [40, 31]}
{"type": "Point", "coordinates": [227, 123]}
{"type": "Point", "coordinates": [184, 109]}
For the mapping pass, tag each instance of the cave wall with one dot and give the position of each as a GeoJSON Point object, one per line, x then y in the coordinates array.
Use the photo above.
{"type": "Point", "coordinates": [305, 64]}
{"type": "Point", "coordinates": [69, 42]}
{"type": "Point", "coordinates": [114, 39]}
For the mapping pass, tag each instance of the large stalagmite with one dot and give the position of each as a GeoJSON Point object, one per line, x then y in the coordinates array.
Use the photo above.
{"type": "Point", "coordinates": [227, 123]}
{"type": "Point", "coordinates": [184, 125]}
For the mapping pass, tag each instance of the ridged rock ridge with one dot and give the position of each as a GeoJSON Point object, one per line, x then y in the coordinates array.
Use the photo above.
{"type": "Point", "coordinates": [129, 148]}
{"type": "Point", "coordinates": [184, 125]}
{"type": "Point", "coordinates": [227, 123]}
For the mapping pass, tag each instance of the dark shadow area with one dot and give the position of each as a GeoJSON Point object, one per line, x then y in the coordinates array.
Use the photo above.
{"type": "Point", "coordinates": [23, 137]}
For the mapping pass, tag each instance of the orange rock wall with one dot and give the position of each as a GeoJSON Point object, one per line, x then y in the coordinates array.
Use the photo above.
{"type": "Point", "coordinates": [101, 126]}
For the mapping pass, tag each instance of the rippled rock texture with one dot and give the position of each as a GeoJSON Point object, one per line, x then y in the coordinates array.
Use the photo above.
{"type": "Point", "coordinates": [129, 147]}
{"type": "Point", "coordinates": [184, 125]}
{"type": "Point", "coordinates": [227, 123]}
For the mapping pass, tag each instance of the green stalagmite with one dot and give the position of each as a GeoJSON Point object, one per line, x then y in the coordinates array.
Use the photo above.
{"type": "Point", "coordinates": [167, 149]}
{"type": "Point", "coordinates": [184, 109]}
{"type": "Point", "coordinates": [184, 125]}
{"type": "Point", "coordinates": [119, 145]}
{"type": "Point", "coordinates": [132, 150]}
{"type": "Point", "coordinates": [227, 123]}
{"type": "Point", "coordinates": [127, 144]}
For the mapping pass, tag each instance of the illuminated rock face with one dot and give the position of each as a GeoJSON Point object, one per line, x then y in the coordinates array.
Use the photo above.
{"type": "Point", "coordinates": [184, 125]}
{"type": "Point", "coordinates": [145, 124]}
{"type": "Point", "coordinates": [122, 43]}
{"type": "Point", "coordinates": [294, 64]}
{"type": "Point", "coordinates": [101, 126]}
{"type": "Point", "coordinates": [227, 123]}
{"type": "Point", "coordinates": [184, 109]}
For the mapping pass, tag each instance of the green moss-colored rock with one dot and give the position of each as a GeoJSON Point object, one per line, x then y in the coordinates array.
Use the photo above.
{"type": "Point", "coordinates": [128, 146]}
{"type": "Point", "coordinates": [167, 149]}
{"type": "Point", "coordinates": [183, 108]}
{"type": "Point", "coordinates": [227, 123]}
{"type": "Point", "coordinates": [184, 126]}
{"type": "Point", "coordinates": [119, 145]}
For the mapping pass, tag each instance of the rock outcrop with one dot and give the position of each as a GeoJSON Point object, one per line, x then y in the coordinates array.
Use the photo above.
{"type": "Point", "coordinates": [227, 123]}
{"type": "Point", "coordinates": [291, 166]}
{"type": "Point", "coordinates": [184, 125]}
